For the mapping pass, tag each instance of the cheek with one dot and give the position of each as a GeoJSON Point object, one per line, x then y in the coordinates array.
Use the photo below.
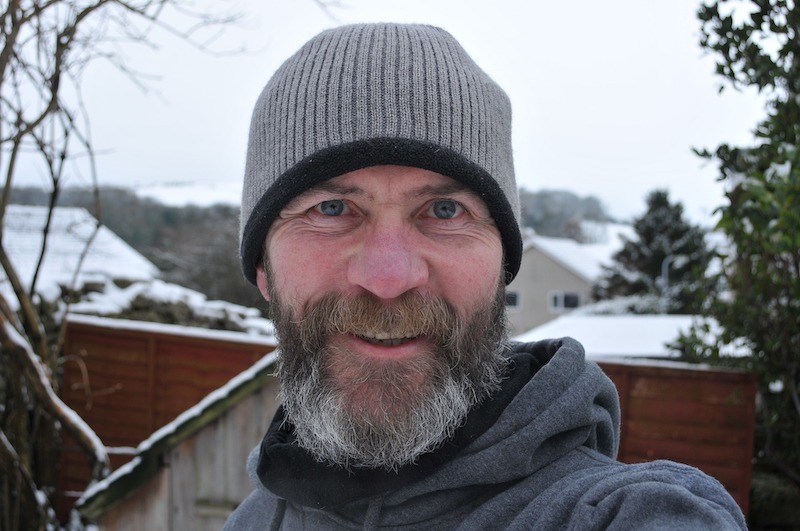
{"type": "Point", "coordinates": [303, 273]}
{"type": "Point", "coordinates": [468, 279]}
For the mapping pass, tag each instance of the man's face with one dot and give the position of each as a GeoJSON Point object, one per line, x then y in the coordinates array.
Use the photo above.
{"type": "Point", "coordinates": [387, 297]}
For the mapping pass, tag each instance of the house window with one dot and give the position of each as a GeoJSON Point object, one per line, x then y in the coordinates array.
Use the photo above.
{"type": "Point", "coordinates": [512, 300]}
{"type": "Point", "coordinates": [563, 301]}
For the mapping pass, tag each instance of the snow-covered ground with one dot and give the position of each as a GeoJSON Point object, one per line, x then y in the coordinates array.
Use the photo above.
{"type": "Point", "coordinates": [637, 336]}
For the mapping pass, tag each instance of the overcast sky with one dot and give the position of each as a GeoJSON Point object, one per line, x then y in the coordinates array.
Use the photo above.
{"type": "Point", "coordinates": [609, 97]}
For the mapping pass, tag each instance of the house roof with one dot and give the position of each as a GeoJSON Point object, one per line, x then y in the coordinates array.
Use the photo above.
{"type": "Point", "coordinates": [583, 259]}
{"type": "Point", "coordinates": [71, 231]}
{"type": "Point", "coordinates": [146, 463]}
{"type": "Point", "coordinates": [602, 336]}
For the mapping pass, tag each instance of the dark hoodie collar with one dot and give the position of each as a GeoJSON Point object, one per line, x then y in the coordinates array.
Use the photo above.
{"type": "Point", "coordinates": [290, 472]}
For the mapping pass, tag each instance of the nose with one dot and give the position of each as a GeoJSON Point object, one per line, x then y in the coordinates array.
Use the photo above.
{"type": "Point", "coordinates": [388, 263]}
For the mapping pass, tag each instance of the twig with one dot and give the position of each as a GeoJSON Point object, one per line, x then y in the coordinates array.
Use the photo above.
{"type": "Point", "coordinates": [39, 381]}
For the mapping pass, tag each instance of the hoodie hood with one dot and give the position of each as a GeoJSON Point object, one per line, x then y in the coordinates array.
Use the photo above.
{"type": "Point", "coordinates": [551, 402]}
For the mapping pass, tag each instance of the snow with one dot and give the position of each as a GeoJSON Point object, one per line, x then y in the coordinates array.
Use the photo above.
{"type": "Point", "coordinates": [113, 300]}
{"type": "Point", "coordinates": [171, 428]}
{"type": "Point", "coordinates": [605, 239]}
{"type": "Point", "coordinates": [569, 253]}
{"type": "Point", "coordinates": [121, 450]}
{"type": "Point", "coordinates": [184, 193]}
{"type": "Point", "coordinates": [108, 256]}
{"type": "Point", "coordinates": [780, 171]}
{"type": "Point", "coordinates": [633, 304]}
{"type": "Point", "coordinates": [103, 484]}
{"type": "Point", "coordinates": [619, 335]}
{"type": "Point", "coordinates": [584, 259]}
{"type": "Point", "coordinates": [41, 499]}
{"type": "Point", "coordinates": [262, 336]}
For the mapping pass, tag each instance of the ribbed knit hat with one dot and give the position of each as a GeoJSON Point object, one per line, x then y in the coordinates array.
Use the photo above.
{"type": "Point", "coordinates": [374, 94]}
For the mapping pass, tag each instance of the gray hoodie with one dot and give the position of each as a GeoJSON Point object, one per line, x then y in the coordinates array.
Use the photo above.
{"type": "Point", "coordinates": [538, 455]}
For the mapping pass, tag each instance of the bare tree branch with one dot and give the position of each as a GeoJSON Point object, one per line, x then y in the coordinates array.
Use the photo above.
{"type": "Point", "coordinates": [45, 47]}
{"type": "Point", "coordinates": [31, 322]}
{"type": "Point", "coordinates": [13, 342]}
{"type": "Point", "coordinates": [327, 5]}
{"type": "Point", "coordinates": [10, 461]}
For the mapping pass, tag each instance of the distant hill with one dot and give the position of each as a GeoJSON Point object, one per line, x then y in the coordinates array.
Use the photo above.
{"type": "Point", "coordinates": [560, 213]}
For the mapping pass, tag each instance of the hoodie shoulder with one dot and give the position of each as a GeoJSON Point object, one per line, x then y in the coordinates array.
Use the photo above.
{"type": "Point", "coordinates": [588, 491]}
{"type": "Point", "coordinates": [255, 512]}
{"type": "Point", "coordinates": [658, 495]}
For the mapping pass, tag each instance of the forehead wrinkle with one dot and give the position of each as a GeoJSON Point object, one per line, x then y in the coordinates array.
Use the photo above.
{"type": "Point", "coordinates": [423, 191]}
{"type": "Point", "coordinates": [333, 187]}
{"type": "Point", "coordinates": [442, 189]}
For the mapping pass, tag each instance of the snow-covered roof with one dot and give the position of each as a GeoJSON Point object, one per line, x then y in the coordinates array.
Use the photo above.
{"type": "Point", "coordinates": [584, 259]}
{"type": "Point", "coordinates": [617, 335]}
{"type": "Point", "coordinates": [567, 252]}
{"type": "Point", "coordinates": [71, 229]}
{"type": "Point", "coordinates": [113, 300]}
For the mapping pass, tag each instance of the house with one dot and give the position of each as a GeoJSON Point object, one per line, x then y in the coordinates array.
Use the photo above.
{"type": "Point", "coordinates": [556, 275]}
{"type": "Point", "coordinates": [79, 252]}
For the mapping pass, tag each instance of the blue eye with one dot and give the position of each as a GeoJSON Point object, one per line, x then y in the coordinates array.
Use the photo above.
{"type": "Point", "coordinates": [444, 209]}
{"type": "Point", "coordinates": [334, 207]}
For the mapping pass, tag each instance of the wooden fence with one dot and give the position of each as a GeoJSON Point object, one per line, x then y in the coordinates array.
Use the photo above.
{"type": "Point", "coordinates": [127, 379]}
{"type": "Point", "coordinates": [701, 416]}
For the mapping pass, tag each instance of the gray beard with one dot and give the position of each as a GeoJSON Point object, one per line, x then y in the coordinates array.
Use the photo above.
{"type": "Point", "coordinates": [400, 421]}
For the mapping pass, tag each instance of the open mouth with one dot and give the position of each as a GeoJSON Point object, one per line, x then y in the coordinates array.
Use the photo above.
{"type": "Point", "coordinates": [385, 340]}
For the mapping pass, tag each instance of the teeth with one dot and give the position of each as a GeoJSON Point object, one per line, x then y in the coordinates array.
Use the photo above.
{"type": "Point", "coordinates": [385, 340]}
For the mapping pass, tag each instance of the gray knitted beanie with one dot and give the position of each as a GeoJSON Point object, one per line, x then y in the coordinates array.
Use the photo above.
{"type": "Point", "coordinates": [374, 94]}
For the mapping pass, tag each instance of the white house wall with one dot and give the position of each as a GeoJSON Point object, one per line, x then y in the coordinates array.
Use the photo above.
{"type": "Point", "coordinates": [540, 276]}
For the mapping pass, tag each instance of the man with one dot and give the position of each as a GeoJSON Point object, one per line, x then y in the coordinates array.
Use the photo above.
{"type": "Point", "coordinates": [379, 218]}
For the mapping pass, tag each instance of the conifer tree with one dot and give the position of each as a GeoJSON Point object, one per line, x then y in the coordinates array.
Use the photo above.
{"type": "Point", "coordinates": [667, 259]}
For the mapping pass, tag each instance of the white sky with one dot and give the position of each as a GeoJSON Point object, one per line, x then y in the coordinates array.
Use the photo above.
{"type": "Point", "coordinates": [609, 97]}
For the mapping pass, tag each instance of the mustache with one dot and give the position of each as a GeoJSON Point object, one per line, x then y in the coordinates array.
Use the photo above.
{"type": "Point", "coordinates": [409, 316]}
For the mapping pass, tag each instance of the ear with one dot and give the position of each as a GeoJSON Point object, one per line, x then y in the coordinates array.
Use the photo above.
{"type": "Point", "coordinates": [261, 281]}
